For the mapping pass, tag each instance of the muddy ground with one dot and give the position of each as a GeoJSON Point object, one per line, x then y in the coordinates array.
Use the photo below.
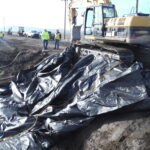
{"type": "Point", "coordinates": [125, 131]}
{"type": "Point", "coordinates": [20, 53]}
{"type": "Point", "coordinates": [117, 131]}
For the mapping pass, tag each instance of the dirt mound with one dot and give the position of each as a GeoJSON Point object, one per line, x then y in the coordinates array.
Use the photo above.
{"type": "Point", "coordinates": [111, 132]}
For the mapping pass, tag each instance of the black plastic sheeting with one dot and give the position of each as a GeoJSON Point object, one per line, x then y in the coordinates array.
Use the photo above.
{"type": "Point", "coordinates": [64, 93]}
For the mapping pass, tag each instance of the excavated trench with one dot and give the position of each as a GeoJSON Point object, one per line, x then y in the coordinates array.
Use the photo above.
{"type": "Point", "coordinates": [19, 53]}
{"type": "Point", "coordinates": [13, 59]}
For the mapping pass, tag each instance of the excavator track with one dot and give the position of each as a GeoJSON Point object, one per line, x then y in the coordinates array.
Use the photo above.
{"type": "Point", "coordinates": [123, 54]}
{"type": "Point", "coordinates": [142, 54]}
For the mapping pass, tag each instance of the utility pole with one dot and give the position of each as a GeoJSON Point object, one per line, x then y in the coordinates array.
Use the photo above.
{"type": "Point", "coordinates": [4, 23]}
{"type": "Point", "coordinates": [137, 6]}
{"type": "Point", "coordinates": [65, 19]}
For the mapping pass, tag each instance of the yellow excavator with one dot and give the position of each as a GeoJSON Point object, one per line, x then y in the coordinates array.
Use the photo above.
{"type": "Point", "coordinates": [124, 38]}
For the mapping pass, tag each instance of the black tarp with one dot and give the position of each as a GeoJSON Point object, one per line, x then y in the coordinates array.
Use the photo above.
{"type": "Point", "coordinates": [64, 93]}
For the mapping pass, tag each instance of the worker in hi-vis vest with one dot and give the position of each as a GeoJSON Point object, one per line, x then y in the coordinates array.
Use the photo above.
{"type": "Point", "coordinates": [1, 35]}
{"type": "Point", "coordinates": [45, 37]}
{"type": "Point", "coordinates": [57, 39]}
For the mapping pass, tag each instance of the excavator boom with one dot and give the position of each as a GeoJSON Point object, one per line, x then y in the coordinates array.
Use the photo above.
{"type": "Point", "coordinates": [86, 3]}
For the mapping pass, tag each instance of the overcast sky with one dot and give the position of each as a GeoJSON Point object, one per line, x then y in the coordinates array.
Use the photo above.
{"type": "Point", "coordinates": [34, 13]}
{"type": "Point", "coordinates": [50, 13]}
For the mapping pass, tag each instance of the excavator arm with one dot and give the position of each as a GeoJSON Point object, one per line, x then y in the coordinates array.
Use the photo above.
{"type": "Point", "coordinates": [86, 3]}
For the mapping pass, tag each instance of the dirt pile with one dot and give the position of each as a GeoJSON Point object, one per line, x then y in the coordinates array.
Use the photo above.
{"type": "Point", "coordinates": [111, 132]}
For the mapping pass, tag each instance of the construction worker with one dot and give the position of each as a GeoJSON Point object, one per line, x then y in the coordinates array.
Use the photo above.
{"type": "Point", "coordinates": [45, 37]}
{"type": "Point", "coordinates": [57, 39]}
{"type": "Point", "coordinates": [1, 35]}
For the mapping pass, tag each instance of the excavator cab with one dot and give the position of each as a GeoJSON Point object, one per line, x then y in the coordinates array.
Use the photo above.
{"type": "Point", "coordinates": [95, 20]}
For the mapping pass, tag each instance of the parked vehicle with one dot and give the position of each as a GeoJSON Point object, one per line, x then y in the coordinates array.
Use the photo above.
{"type": "Point", "coordinates": [15, 33]}
{"type": "Point", "coordinates": [9, 32]}
{"type": "Point", "coordinates": [52, 35]}
{"type": "Point", "coordinates": [20, 31]}
{"type": "Point", "coordinates": [33, 34]}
